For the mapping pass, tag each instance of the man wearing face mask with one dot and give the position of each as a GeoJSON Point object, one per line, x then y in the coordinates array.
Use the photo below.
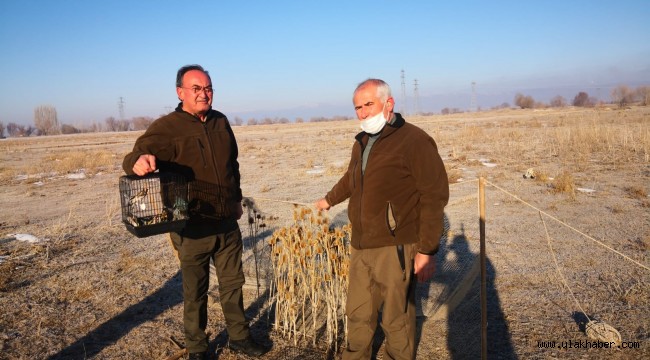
{"type": "Point", "coordinates": [398, 189]}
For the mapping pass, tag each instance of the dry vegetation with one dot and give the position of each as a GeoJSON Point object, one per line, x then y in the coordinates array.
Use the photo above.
{"type": "Point", "coordinates": [91, 290]}
{"type": "Point", "coordinates": [309, 285]}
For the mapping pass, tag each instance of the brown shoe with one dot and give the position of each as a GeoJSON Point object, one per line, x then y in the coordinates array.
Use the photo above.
{"type": "Point", "coordinates": [248, 346]}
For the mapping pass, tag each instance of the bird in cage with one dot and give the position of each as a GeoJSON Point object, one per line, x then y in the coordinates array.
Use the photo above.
{"type": "Point", "coordinates": [137, 198]}
{"type": "Point", "coordinates": [133, 220]}
{"type": "Point", "coordinates": [155, 219]}
{"type": "Point", "coordinates": [179, 210]}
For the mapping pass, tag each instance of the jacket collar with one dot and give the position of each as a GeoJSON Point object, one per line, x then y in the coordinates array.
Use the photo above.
{"type": "Point", "coordinates": [211, 113]}
{"type": "Point", "coordinates": [388, 130]}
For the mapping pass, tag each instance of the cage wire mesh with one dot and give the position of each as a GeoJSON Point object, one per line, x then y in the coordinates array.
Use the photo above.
{"type": "Point", "coordinates": [153, 204]}
{"type": "Point", "coordinates": [527, 302]}
{"type": "Point", "coordinates": [210, 200]}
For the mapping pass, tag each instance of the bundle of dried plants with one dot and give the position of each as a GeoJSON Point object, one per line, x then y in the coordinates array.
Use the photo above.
{"type": "Point", "coordinates": [310, 265]}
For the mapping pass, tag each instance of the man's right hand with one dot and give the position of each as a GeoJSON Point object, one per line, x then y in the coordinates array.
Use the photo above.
{"type": "Point", "coordinates": [322, 204]}
{"type": "Point", "coordinates": [145, 164]}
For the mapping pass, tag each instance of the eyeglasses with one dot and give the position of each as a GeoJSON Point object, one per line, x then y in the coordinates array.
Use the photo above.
{"type": "Point", "coordinates": [198, 89]}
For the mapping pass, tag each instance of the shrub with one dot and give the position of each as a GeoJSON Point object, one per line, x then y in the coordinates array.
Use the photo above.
{"type": "Point", "coordinates": [524, 101]}
{"type": "Point", "coordinates": [564, 183]}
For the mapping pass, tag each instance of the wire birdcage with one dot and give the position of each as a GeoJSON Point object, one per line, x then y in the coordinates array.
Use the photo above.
{"type": "Point", "coordinates": [154, 204]}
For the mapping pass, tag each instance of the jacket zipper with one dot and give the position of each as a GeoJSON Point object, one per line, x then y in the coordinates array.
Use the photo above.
{"type": "Point", "coordinates": [361, 171]}
{"type": "Point", "coordinates": [214, 161]}
{"type": "Point", "coordinates": [360, 166]}
{"type": "Point", "coordinates": [202, 151]}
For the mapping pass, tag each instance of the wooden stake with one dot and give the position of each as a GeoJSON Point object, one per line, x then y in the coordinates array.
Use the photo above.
{"type": "Point", "coordinates": [481, 197]}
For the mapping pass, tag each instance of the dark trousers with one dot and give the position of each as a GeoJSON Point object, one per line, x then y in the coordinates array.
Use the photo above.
{"type": "Point", "coordinates": [377, 282]}
{"type": "Point", "coordinates": [194, 255]}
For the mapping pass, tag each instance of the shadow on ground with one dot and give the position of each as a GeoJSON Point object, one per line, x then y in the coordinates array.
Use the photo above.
{"type": "Point", "coordinates": [135, 315]}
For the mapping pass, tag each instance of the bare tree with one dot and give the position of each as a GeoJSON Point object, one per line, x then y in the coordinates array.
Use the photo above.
{"type": "Point", "coordinates": [238, 121]}
{"type": "Point", "coordinates": [524, 101]}
{"type": "Point", "coordinates": [15, 130]}
{"type": "Point", "coordinates": [69, 129]}
{"type": "Point", "coordinates": [111, 124]}
{"type": "Point", "coordinates": [251, 121]}
{"type": "Point", "coordinates": [92, 127]}
{"type": "Point", "coordinates": [46, 121]}
{"type": "Point", "coordinates": [318, 119]}
{"type": "Point", "coordinates": [123, 125]}
{"type": "Point", "coordinates": [558, 101]}
{"type": "Point", "coordinates": [583, 99]}
{"type": "Point", "coordinates": [622, 95]}
{"type": "Point", "coordinates": [12, 129]}
{"type": "Point", "coordinates": [141, 122]}
{"type": "Point", "coordinates": [2, 130]}
{"type": "Point", "coordinates": [642, 94]}
{"type": "Point", "coordinates": [504, 105]}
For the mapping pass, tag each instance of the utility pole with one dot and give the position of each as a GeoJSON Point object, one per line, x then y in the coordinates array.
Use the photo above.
{"type": "Point", "coordinates": [416, 96]}
{"type": "Point", "coordinates": [403, 108]}
{"type": "Point", "coordinates": [472, 103]}
{"type": "Point", "coordinates": [120, 105]}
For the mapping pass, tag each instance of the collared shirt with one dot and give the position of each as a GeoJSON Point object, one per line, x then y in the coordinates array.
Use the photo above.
{"type": "Point", "coordinates": [371, 140]}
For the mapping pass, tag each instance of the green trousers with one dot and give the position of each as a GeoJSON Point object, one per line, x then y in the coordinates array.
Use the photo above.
{"type": "Point", "coordinates": [378, 282]}
{"type": "Point", "coordinates": [194, 255]}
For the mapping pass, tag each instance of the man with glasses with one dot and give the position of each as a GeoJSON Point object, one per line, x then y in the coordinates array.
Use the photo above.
{"type": "Point", "coordinates": [198, 142]}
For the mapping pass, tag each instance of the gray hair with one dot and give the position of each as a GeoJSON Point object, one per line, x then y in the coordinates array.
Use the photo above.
{"type": "Point", "coordinates": [383, 90]}
{"type": "Point", "coordinates": [181, 72]}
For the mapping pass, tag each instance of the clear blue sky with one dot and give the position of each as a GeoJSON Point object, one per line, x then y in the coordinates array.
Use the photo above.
{"type": "Point", "coordinates": [288, 58]}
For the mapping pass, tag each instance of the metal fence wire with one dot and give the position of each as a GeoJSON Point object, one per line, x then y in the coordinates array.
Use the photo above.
{"type": "Point", "coordinates": [528, 306]}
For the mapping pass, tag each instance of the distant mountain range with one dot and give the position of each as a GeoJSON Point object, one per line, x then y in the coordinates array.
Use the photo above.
{"type": "Point", "coordinates": [485, 99]}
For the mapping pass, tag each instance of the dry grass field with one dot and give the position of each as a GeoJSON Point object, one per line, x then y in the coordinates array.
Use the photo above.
{"type": "Point", "coordinates": [88, 289]}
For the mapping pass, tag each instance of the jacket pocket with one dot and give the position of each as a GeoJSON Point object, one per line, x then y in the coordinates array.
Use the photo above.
{"type": "Point", "coordinates": [391, 222]}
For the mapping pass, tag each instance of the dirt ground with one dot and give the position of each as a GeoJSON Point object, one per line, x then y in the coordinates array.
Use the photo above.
{"type": "Point", "coordinates": [85, 288]}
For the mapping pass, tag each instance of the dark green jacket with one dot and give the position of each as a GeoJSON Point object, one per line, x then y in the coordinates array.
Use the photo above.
{"type": "Point", "coordinates": [206, 153]}
{"type": "Point", "coordinates": [402, 195]}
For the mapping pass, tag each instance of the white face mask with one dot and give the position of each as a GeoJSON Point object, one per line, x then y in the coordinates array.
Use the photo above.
{"type": "Point", "coordinates": [374, 124]}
